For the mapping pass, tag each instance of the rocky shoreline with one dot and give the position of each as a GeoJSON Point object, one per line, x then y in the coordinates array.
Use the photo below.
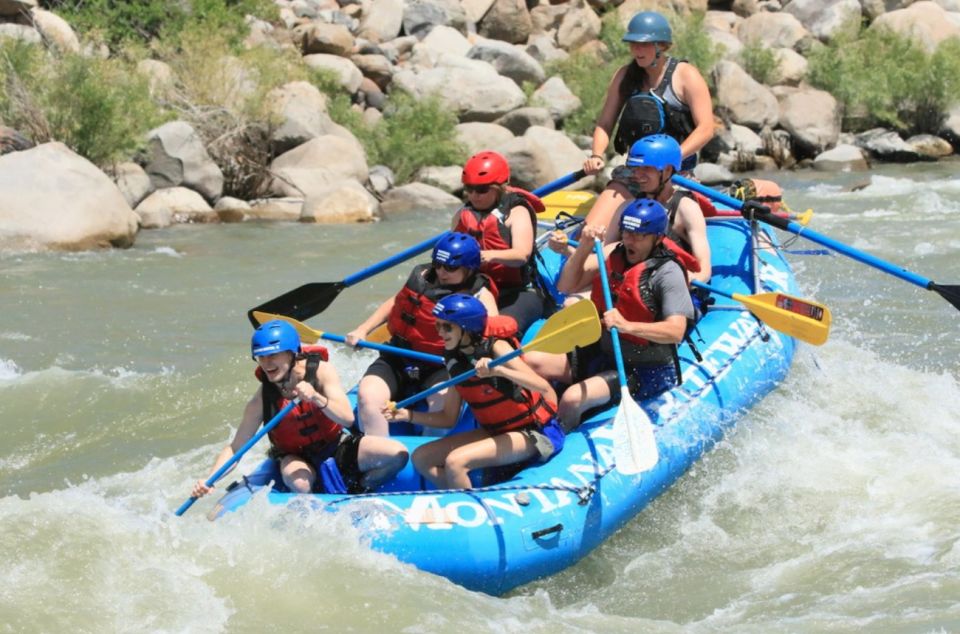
{"type": "Point", "coordinates": [481, 57]}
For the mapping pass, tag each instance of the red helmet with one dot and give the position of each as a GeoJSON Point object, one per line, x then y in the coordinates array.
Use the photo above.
{"type": "Point", "coordinates": [486, 168]}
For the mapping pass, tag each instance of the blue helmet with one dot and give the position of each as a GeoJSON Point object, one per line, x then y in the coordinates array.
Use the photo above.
{"type": "Point", "coordinates": [457, 249]}
{"type": "Point", "coordinates": [644, 216]}
{"type": "Point", "coordinates": [656, 150]}
{"type": "Point", "coordinates": [466, 311]}
{"type": "Point", "coordinates": [648, 26]}
{"type": "Point", "coordinates": [273, 337]}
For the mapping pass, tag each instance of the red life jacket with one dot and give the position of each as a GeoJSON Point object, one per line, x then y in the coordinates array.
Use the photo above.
{"type": "Point", "coordinates": [491, 231]}
{"type": "Point", "coordinates": [630, 285]}
{"type": "Point", "coordinates": [411, 319]}
{"type": "Point", "coordinates": [498, 405]}
{"type": "Point", "coordinates": [305, 428]}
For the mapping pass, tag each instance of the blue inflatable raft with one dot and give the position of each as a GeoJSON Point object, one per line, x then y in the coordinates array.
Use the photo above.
{"type": "Point", "coordinates": [547, 517]}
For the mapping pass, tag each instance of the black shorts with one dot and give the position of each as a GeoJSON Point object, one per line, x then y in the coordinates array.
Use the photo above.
{"type": "Point", "coordinates": [643, 382]}
{"type": "Point", "coordinates": [525, 305]}
{"type": "Point", "coordinates": [345, 452]}
{"type": "Point", "coordinates": [406, 376]}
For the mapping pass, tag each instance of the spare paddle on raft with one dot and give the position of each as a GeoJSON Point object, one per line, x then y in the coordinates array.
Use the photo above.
{"type": "Point", "coordinates": [802, 319]}
{"type": "Point", "coordinates": [219, 473]}
{"type": "Point", "coordinates": [634, 445]}
{"type": "Point", "coordinates": [951, 293]}
{"type": "Point", "coordinates": [576, 325]}
{"type": "Point", "coordinates": [309, 335]}
{"type": "Point", "coordinates": [312, 299]}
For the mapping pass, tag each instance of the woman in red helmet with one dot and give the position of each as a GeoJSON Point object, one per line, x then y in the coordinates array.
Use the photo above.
{"type": "Point", "coordinates": [503, 219]}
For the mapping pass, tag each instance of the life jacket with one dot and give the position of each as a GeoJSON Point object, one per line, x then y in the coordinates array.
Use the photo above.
{"type": "Point", "coordinates": [499, 405]}
{"type": "Point", "coordinates": [411, 320]}
{"type": "Point", "coordinates": [305, 428]}
{"type": "Point", "coordinates": [630, 285]}
{"type": "Point", "coordinates": [491, 231]}
{"type": "Point", "coordinates": [647, 112]}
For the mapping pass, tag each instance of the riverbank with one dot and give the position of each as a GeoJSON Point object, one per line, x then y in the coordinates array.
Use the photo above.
{"type": "Point", "coordinates": [339, 113]}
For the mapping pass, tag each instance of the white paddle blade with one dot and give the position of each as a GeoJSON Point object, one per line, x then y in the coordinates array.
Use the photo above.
{"type": "Point", "coordinates": [634, 444]}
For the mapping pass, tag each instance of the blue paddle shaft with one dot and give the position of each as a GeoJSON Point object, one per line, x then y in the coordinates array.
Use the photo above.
{"type": "Point", "coordinates": [460, 378]}
{"type": "Point", "coordinates": [427, 244]}
{"type": "Point", "coordinates": [236, 457]}
{"type": "Point", "coordinates": [712, 289]}
{"type": "Point", "coordinates": [382, 347]}
{"type": "Point", "coordinates": [813, 236]}
{"type": "Point", "coordinates": [608, 301]}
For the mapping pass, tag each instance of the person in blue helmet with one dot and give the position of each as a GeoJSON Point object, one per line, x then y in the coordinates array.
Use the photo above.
{"type": "Point", "coordinates": [312, 438]}
{"type": "Point", "coordinates": [651, 162]}
{"type": "Point", "coordinates": [454, 268]}
{"type": "Point", "coordinates": [514, 407]}
{"type": "Point", "coordinates": [651, 311]}
{"type": "Point", "coordinates": [652, 94]}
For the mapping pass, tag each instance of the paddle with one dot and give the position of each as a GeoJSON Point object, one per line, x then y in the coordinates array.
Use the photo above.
{"type": "Point", "coordinates": [634, 445]}
{"type": "Point", "coordinates": [800, 318]}
{"type": "Point", "coordinates": [273, 422]}
{"type": "Point", "coordinates": [575, 325]}
{"type": "Point", "coordinates": [951, 293]}
{"type": "Point", "coordinates": [310, 335]}
{"type": "Point", "coordinates": [313, 298]}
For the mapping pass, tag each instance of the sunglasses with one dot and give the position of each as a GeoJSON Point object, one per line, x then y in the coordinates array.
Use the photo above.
{"type": "Point", "coordinates": [449, 268]}
{"type": "Point", "coordinates": [444, 326]}
{"type": "Point", "coordinates": [477, 189]}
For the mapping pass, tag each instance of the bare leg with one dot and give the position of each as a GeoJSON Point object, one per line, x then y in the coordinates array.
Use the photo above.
{"type": "Point", "coordinates": [297, 474]}
{"type": "Point", "coordinates": [580, 397]}
{"type": "Point", "coordinates": [380, 459]}
{"type": "Point", "coordinates": [373, 394]}
{"type": "Point", "coordinates": [603, 212]}
{"type": "Point", "coordinates": [551, 366]}
{"type": "Point", "coordinates": [488, 451]}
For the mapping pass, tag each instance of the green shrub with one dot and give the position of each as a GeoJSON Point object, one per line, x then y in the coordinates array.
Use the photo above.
{"type": "Point", "coordinates": [120, 22]}
{"type": "Point", "coordinates": [759, 62]}
{"type": "Point", "coordinates": [413, 134]}
{"type": "Point", "coordinates": [882, 78]}
{"type": "Point", "coordinates": [99, 108]}
{"type": "Point", "coordinates": [692, 43]}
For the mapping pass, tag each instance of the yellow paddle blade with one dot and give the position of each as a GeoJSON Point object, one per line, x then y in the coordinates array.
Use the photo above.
{"type": "Point", "coordinates": [575, 325]}
{"type": "Point", "coordinates": [307, 334]}
{"type": "Point", "coordinates": [802, 319]}
{"type": "Point", "coordinates": [575, 203]}
{"type": "Point", "coordinates": [379, 335]}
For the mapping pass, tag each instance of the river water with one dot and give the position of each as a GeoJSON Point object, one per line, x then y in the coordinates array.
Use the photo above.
{"type": "Point", "coordinates": [834, 507]}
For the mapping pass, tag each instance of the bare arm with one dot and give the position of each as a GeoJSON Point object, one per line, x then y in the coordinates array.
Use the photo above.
{"type": "Point", "coordinates": [378, 317]}
{"type": "Point", "coordinates": [331, 397]}
{"type": "Point", "coordinates": [670, 330]}
{"type": "Point", "coordinates": [694, 92]}
{"type": "Point", "coordinates": [693, 227]}
{"type": "Point", "coordinates": [612, 104]}
{"type": "Point", "coordinates": [252, 416]}
{"type": "Point", "coordinates": [444, 419]}
{"type": "Point", "coordinates": [581, 268]}
{"type": "Point", "coordinates": [515, 370]}
{"type": "Point", "coordinates": [486, 298]}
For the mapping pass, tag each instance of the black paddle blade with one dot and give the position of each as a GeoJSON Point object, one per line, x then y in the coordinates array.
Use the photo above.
{"type": "Point", "coordinates": [949, 293]}
{"type": "Point", "coordinates": [301, 303]}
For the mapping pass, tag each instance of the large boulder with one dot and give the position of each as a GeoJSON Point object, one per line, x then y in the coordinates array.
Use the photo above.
{"type": "Point", "coordinates": [56, 30]}
{"type": "Point", "coordinates": [177, 157]}
{"type": "Point", "coordinates": [773, 30]}
{"type": "Point", "coordinates": [509, 61]}
{"type": "Point", "coordinates": [174, 205]}
{"type": "Point", "coordinates": [382, 21]}
{"type": "Point", "coordinates": [320, 37]}
{"type": "Point", "coordinates": [344, 202]}
{"type": "Point", "coordinates": [824, 19]}
{"type": "Point", "coordinates": [507, 20]}
{"type": "Point", "coordinates": [421, 16]}
{"type": "Point", "coordinates": [477, 136]}
{"type": "Point", "coordinates": [133, 182]}
{"type": "Point", "coordinates": [301, 111]}
{"type": "Point", "coordinates": [563, 155]}
{"type": "Point", "coordinates": [931, 146]}
{"type": "Point", "coordinates": [926, 22]}
{"type": "Point", "coordinates": [311, 168]}
{"type": "Point", "coordinates": [578, 27]}
{"type": "Point", "coordinates": [50, 197]}
{"type": "Point", "coordinates": [812, 117]}
{"type": "Point", "coordinates": [843, 158]}
{"type": "Point", "coordinates": [556, 97]}
{"type": "Point", "coordinates": [418, 196]}
{"type": "Point", "coordinates": [346, 72]}
{"type": "Point", "coordinates": [471, 88]}
{"type": "Point", "coordinates": [748, 102]}
{"type": "Point", "coordinates": [888, 146]}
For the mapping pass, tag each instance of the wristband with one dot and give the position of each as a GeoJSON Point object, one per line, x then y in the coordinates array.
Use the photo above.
{"type": "Point", "coordinates": [599, 156]}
